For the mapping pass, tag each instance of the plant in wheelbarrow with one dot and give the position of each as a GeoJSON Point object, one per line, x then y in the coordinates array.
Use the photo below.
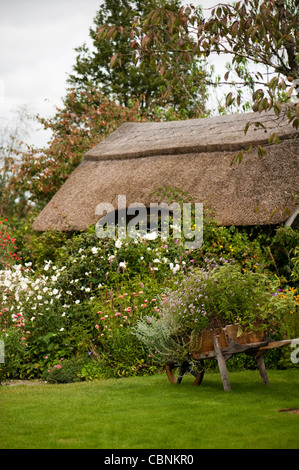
{"type": "Point", "coordinates": [226, 302]}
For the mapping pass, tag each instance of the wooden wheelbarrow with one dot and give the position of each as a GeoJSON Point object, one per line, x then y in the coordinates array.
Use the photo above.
{"type": "Point", "coordinates": [222, 347]}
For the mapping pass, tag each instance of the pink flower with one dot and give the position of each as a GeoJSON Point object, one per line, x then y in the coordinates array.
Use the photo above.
{"type": "Point", "coordinates": [97, 326]}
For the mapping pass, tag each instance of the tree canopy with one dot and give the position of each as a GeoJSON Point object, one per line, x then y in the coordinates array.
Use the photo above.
{"type": "Point", "coordinates": [260, 38]}
{"type": "Point", "coordinates": [110, 65]}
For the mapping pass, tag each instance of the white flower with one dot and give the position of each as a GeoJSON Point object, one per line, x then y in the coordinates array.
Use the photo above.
{"type": "Point", "coordinates": [156, 260]}
{"type": "Point", "coordinates": [122, 264]}
{"type": "Point", "coordinates": [55, 291]}
{"type": "Point", "coordinates": [176, 268]}
{"type": "Point", "coordinates": [94, 250]}
{"type": "Point", "coordinates": [61, 329]}
{"type": "Point", "coordinates": [150, 236]}
{"type": "Point", "coordinates": [77, 301]}
{"type": "Point", "coordinates": [118, 243]}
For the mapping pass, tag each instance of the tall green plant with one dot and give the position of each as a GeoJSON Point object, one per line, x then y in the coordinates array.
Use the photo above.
{"type": "Point", "coordinates": [125, 81]}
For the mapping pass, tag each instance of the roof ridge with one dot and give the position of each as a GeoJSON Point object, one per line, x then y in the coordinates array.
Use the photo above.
{"type": "Point", "coordinates": [219, 133]}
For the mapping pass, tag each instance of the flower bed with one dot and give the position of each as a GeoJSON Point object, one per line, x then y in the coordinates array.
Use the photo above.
{"type": "Point", "coordinates": [206, 301]}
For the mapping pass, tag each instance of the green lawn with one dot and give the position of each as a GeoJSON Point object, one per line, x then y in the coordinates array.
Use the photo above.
{"type": "Point", "coordinates": [150, 413]}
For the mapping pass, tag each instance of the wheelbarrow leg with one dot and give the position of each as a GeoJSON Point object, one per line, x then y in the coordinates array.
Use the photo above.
{"type": "Point", "coordinates": [262, 368]}
{"type": "Point", "coordinates": [183, 370]}
{"type": "Point", "coordinates": [221, 364]}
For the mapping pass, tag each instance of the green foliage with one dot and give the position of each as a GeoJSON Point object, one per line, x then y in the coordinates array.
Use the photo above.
{"type": "Point", "coordinates": [259, 37]}
{"type": "Point", "coordinates": [111, 65]}
{"type": "Point", "coordinates": [75, 295]}
{"type": "Point", "coordinates": [61, 301]}
{"type": "Point", "coordinates": [8, 249]}
{"type": "Point", "coordinates": [284, 248]}
{"type": "Point", "coordinates": [14, 347]}
{"type": "Point", "coordinates": [64, 372]}
{"type": "Point", "coordinates": [210, 299]}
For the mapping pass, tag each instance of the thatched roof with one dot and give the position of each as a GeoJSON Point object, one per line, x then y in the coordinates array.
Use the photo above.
{"type": "Point", "coordinates": [193, 155]}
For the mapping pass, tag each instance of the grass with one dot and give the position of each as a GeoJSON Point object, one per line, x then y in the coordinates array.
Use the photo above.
{"type": "Point", "coordinates": [150, 413]}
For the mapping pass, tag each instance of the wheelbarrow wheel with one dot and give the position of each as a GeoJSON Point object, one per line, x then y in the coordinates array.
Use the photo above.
{"type": "Point", "coordinates": [176, 372]}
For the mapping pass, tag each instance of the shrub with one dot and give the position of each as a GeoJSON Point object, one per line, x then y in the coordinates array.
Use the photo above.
{"type": "Point", "coordinates": [8, 249]}
{"type": "Point", "coordinates": [64, 371]}
{"type": "Point", "coordinates": [14, 350]}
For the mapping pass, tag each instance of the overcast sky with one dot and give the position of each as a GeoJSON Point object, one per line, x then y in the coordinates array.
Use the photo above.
{"type": "Point", "coordinates": [37, 42]}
